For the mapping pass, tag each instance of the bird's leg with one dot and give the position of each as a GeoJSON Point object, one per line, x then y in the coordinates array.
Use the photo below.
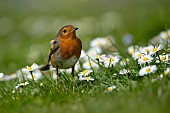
{"type": "Point", "coordinates": [57, 73]}
{"type": "Point", "coordinates": [72, 73]}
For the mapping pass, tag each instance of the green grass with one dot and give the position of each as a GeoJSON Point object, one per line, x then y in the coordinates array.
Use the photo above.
{"type": "Point", "coordinates": [141, 97]}
{"type": "Point", "coordinates": [133, 93]}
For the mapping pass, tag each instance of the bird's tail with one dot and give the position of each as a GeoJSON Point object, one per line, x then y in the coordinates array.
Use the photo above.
{"type": "Point", "coordinates": [45, 67]}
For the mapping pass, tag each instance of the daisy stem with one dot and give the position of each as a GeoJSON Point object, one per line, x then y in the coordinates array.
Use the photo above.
{"type": "Point", "coordinates": [158, 57]}
{"type": "Point", "coordinates": [23, 76]}
{"type": "Point", "coordinates": [32, 75]}
{"type": "Point", "coordinates": [35, 84]}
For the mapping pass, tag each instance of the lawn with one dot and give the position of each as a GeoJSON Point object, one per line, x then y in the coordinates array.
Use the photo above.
{"type": "Point", "coordinates": [124, 65]}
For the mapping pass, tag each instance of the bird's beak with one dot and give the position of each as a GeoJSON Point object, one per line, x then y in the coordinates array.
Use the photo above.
{"type": "Point", "coordinates": [75, 29]}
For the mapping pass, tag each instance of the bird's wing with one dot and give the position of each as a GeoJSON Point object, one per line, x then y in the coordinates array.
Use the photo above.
{"type": "Point", "coordinates": [54, 47]}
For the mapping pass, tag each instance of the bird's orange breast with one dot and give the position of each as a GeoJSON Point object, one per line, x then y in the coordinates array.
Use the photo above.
{"type": "Point", "coordinates": [70, 47]}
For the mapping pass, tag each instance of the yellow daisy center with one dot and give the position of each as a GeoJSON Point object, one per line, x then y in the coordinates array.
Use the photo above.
{"type": "Point", "coordinates": [85, 71]}
{"type": "Point", "coordinates": [146, 50]}
{"type": "Point", "coordinates": [132, 51]}
{"type": "Point", "coordinates": [97, 56]}
{"type": "Point", "coordinates": [165, 73]}
{"type": "Point", "coordinates": [148, 70]}
{"type": "Point", "coordinates": [145, 59]}
{"type": "Point", "coordinates": [111, 60]}
{"type": "Point", "coordinates": [155, 49]}
{"type": "Point", "coordinates": [139, 55]}
{"type": "Point", "coordinates": [22, 83]}
{"type": "Point", "coordinates": [29, 68]}
{"type": "Point", "coordinates": [109, 89]}
{"type": "Point", "coordinates": [87, 78]}
{"type": "Point", "coordinates": [163, 58]}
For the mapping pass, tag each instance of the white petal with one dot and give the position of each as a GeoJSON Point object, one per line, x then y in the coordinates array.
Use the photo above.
{"type": "Point", "coordinates": [1, 75]}
{"type": "Point", "coordinates": [34, 66]}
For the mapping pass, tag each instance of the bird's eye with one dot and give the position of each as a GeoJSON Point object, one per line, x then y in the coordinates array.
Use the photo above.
{"type": "Point", "coordinates": [64, 31]}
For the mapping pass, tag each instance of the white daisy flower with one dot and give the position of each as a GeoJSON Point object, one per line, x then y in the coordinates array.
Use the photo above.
{"type": "Point", "coordinates": [32, 68]}
{"type": "Point", "coordinates": [17, 86]}
{"type": "Point", "coordinates": [92, 52]}
{"type": "Point", "coordinates": [85, 73]}
{"type": "Point", "coordinates": [21, 84]}
{"type": "Point", "coordinates": [53, 72]}
{"type": "Point", "coordinates": [164, 57]}
{"type": "Point", "coordinates": [111, 88]}
{"type": "Point", "coordinates": [124, 71]}
{"type": "Point", "coordinates": [35, 75]}
{"type": "Point", "coordinates": [124, 62]}
{"type": "Point", "coordinates": [8, 77]}
{"type": "Point", "coordinates": [1, 75]}
{"type": "Point", "coordinates": [99, 42]}
{"type": "Point", "coordinates": [131, 50]}
{"type": "Point", "coordinates": [41, 84]}
{"type": "Point", "coordinates": [161, 75]}
{"type": "Point", "coordinates": [164, 35]}
{"type": "Point", "coordinates": [146, 50]}
{"type": "Point", "coordinates": [101, 58]}
{"type": "Point", "coordinates": [167, 72]}
{"type": "Point", "coordinates": [26, 83]}
{"type": "Point", "coordinates": [86, 78]}
{"type": "Point", "coordinates": [147, 70]}
{"type": "Point", "coordinates": [144, 59]}
{"type": "Point", "coordinates": [155, 49]}
{"type": "Point", "coordinates": [90, 64]}
{"type": "Point", "coordinates": [137, 55]}
{"type": "Point", "coordinates": [112, 61]}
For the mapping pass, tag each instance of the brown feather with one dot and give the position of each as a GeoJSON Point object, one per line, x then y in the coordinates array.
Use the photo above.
{"type": "Point", "coordinates": [45, 67]}
{"type": "Point", "coordinates": [54, 47]}
{"type": "Point", "coordinates": [70, 47]}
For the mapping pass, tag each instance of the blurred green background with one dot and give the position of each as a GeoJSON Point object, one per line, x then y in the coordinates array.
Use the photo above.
{"type": "Point", "coordinates": [27, 26]}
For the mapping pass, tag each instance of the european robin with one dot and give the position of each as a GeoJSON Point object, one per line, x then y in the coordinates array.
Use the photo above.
{"type": "Point", "coordinates": [65, 50]}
